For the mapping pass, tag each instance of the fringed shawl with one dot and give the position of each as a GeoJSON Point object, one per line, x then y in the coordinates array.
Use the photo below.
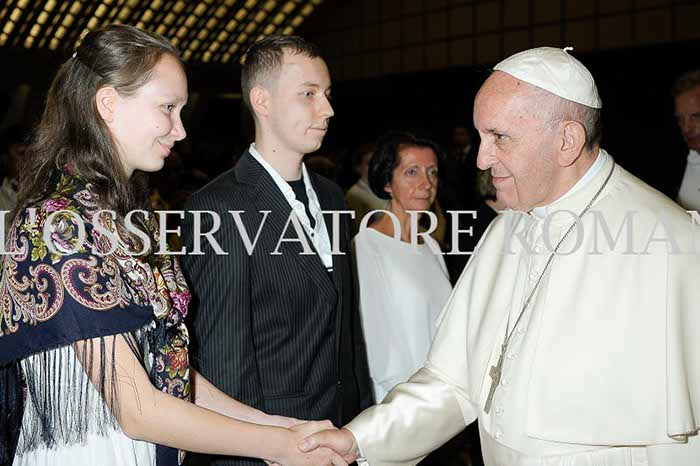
{"type": "Point", "coordinates": [81, 292]}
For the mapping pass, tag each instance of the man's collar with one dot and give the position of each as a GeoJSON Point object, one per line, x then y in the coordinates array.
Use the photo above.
{"type": "Point", "coordinates": [281, 182]}
{"type": "Point", "coordinates": [577, 194]}
{"type": "Point", "coordinates": [693, 157]}
{"type": "Point", "coordinates": [364, 185]}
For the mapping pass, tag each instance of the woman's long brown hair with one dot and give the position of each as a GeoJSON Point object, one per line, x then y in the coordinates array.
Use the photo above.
{"type": "Point", "coordinates": [71, 132]}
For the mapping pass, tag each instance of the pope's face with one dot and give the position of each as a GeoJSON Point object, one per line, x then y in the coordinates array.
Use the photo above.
{"type": "Point", "coordinates": [515, 146]}
{"type": "Point", "coordinates": [688, 116]}
{"type": "Point", "coordinates": [300, 107]}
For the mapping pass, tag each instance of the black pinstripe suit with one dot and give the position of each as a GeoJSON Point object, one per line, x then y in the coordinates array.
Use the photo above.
{"type": "Point", "coordinates": [277, 332]}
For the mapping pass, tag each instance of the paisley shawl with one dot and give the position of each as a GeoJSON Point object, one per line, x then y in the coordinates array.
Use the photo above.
{"type": "Point", "coordinates": [81, 291]}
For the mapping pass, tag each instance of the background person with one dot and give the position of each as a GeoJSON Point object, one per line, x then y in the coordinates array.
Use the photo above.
{"type": "Point", "coordinates": [360, 197]}
{"type": "Point", "coordinates": [13, 146]}
{"type": "Point", "coordinates": [686, 97]}
{"type": "Point", "coordinates": [403, 284]}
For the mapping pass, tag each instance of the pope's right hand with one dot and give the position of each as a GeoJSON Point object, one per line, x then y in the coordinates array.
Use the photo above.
{"type": "Point", "coordinates": [341, 441]}
{"type": "Point", "coordinates": [292, 456]}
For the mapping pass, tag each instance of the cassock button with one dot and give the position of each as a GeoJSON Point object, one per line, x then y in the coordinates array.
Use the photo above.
{"type": "Point", "coordinates": [538, 249]}
{"type": "Point", "coordinates": [510, 355]}
{"type": "Point", "coordinates": [505, 382]}
{"type": "Point", "coordinates": [499, 410]}
{"type": "Point", "coordinates": [498, 436]}
{"type": "Point", "coordinates": [532, 276]}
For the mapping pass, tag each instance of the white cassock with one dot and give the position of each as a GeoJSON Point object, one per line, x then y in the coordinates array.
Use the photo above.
{"type": "Point", "coordinates": [604, 367]}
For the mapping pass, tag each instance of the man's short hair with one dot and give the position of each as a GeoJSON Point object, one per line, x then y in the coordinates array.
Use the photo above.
{"type": "Point", "coordinates": [686, 82]}
{"type": "Point", "coordinates": [264, 60]}
{"type": "Point", "coordinates": [552, 109]}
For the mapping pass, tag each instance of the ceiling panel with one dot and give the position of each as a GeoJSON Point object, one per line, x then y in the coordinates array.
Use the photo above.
{"type": "Point", "coordinates": [205, 31]}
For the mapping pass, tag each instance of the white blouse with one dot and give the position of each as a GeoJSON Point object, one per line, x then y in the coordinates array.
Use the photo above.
{"type": "Point", "coordinates": [403, 288]}
{"type": "Point", "coordinates": [113, 448]}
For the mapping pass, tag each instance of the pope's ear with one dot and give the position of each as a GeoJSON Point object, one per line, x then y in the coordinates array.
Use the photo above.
{"type": "Point", "coordinates": [106, 100]}
{"type": "Point", "coordinates": [573, 140]}
{"type": "Point", "coordinates": [260, 100]}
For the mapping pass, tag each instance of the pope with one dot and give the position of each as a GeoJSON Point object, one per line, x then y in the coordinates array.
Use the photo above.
{"type": "Point", "coordinates": [573, 335]}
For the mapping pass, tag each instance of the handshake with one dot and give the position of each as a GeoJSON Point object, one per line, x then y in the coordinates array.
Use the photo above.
{"type": "Point", "coordinates": [317, 443]}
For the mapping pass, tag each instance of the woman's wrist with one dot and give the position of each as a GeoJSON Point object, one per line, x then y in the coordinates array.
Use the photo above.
{"type": "Point", "coordinates": [277, 445]}
{"type": "Point", "coordinates": [260, 417]}
{"type": "Point", "coordinates": [280, 421]}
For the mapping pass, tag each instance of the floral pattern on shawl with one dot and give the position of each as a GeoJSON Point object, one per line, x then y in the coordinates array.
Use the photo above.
{"type": "Point", "coordinates": [35, 278]}
{"type": "Point", "coordinates": [84, 274]}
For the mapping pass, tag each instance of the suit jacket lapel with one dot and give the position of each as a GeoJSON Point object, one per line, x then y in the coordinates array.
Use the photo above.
{"type": "Point", "coordinates": [326, 205]}
{"type": "Point", "coordinates": [338, 262]}
{"type": "Point", "coordinates": [267, 196]}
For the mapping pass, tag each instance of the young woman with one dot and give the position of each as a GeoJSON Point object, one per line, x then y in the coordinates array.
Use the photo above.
{"type": "Point", "coordinates": [93, 346]}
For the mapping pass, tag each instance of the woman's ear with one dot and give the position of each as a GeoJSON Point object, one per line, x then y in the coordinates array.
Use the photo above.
{"type": "Point", "coordinates": [106, 99]}
{"type": "Point", "coordinates": [387, 188]}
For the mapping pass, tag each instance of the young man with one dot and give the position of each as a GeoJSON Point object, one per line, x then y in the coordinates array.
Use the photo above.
{"type": "Point", "coordinates": [275, 323]}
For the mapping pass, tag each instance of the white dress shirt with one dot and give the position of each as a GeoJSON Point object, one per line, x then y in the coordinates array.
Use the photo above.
{"type": "Point", "coordinates": [319, 234]}
{"type": "Point", "coordinates": [689, 192]}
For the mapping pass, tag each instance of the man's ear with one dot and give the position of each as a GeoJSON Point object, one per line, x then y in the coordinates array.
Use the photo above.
{"type": "Point", "coordinates": [106, 100]}
{"type": "Point", "coordinates": [573, 140]}
{"type": "Point", "coordinates": [260, 100]}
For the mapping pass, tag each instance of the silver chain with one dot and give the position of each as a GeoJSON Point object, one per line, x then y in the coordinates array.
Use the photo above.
{"type": "Point", "coordinates": [507, 337]}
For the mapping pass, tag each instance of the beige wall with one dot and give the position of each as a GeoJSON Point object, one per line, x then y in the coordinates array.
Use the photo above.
{"type": "Point", "coordinates": [366, 38]}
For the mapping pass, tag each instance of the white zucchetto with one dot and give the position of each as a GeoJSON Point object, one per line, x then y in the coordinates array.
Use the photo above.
{"type": "Point", "coordinates": [556, 71]}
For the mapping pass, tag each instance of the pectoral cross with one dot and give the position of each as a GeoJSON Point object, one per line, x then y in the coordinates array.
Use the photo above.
{"type": "Point", "coordinates": [495, 373]}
